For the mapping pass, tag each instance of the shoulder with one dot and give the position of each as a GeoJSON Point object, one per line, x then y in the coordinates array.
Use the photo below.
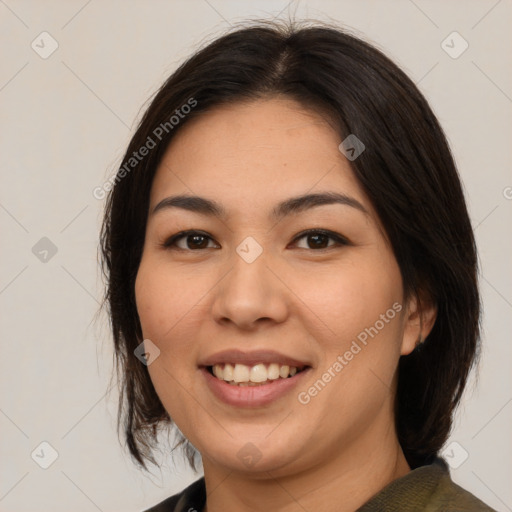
{"type": "Point", "coordinates": [451, 497]}
{"type": "Point", "coordinates": [191, 499]}
{"type": "Point", "coordinates": [429, 488]}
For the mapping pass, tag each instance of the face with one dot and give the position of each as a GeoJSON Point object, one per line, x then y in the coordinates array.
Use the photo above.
{"type": "Point", "coordinates": [253, 280]}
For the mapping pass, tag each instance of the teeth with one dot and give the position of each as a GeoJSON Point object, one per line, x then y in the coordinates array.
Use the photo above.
{"type": "Point", "coordinates": [273, 371]}
{"type": "Point", "coordinates": [217, 371]}
{"type": "Point", "coordinates": [228, 372]}
{"type": "Point", "coordinates": [242, 375]}
{"type": "Point", "coordinates": [258, 373]}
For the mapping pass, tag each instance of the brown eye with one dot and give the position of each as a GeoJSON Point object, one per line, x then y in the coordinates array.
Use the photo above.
{"type": "Point", "coordinates": [189, 241]}
{"type": "Point", "coordinates": [316, 239]}
{"type": "Point", "coordinates": [196, 241]}
{"type": "Point", "coordinates": [319, 241]}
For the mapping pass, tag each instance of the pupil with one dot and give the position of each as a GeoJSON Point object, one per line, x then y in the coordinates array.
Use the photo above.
{"type": "Point", "coordinates": [317, 237]}
{"type": "Point", "coordinates": [198, 241]}
{"type": "Point", "coordinates": [195, 239]}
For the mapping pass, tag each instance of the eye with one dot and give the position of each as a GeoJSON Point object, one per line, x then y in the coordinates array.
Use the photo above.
{"type": "Point", "coordinates": [319, 239]}
{"type": "Point", "coordinates": [188, 240]}
{"type": "Point", "coordinates": [192, 240]}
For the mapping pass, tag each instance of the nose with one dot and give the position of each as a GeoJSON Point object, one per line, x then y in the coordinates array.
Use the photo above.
{"type": "Point", "coordinates": [251, 294]}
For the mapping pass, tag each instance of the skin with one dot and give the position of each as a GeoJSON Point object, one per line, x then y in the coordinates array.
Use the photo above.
{"type": "Point", "coordinates": [335, 452]}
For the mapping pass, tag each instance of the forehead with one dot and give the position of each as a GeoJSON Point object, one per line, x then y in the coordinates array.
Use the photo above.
{"type": "Point", "coordinates": [258, 152]}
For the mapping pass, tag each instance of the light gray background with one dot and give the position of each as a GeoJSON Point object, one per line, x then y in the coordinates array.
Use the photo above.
{"type": "Point", "coordinates": [65, 123]}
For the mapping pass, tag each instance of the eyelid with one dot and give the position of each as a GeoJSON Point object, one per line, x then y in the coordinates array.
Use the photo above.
{"type": "Point", "coordinates": [339, 239]}
{"type": "Point", "coordinates": [170, 241]}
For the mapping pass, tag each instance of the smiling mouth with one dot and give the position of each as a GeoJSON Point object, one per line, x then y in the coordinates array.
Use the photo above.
{"type": "Point", "coordinates": [256, 375]}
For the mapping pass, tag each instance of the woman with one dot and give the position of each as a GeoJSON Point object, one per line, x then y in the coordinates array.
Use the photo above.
{"type": "Point", "coordinates": [292, 280]}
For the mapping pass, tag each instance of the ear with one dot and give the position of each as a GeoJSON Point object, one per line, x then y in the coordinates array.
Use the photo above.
{"type": "Point", "coordinates": [420, 316]}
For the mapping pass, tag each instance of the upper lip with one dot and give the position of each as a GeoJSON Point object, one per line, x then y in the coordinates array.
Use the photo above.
{"type": "Point", "coordinates": [251, 358]}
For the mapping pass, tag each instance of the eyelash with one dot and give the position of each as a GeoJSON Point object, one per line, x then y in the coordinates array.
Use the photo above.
{"type": "Point", "coordinates": [340, 240]}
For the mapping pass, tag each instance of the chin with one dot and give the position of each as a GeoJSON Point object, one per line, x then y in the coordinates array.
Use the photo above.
{"type": "Point", "coordinates": [253, 454]}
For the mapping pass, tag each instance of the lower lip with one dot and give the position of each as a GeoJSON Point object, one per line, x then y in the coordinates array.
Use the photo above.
{"type": "Point", "coordinates": [251, 396]}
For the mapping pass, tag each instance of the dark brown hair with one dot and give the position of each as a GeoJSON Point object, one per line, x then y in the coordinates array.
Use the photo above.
{"type": "Point", "coordinates": [406, 170]}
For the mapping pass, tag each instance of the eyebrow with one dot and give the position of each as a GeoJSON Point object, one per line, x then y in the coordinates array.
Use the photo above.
{"type": "Point", "coordinates": [290, 206]}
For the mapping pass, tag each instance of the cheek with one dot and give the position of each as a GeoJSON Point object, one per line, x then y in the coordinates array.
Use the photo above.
{"type": "Point", "coordinates": [352, 297]}
{"type": "Point", "coordinates": [358, 327]}
{"type": "Point", "coordinates": [165, 299]}
{"type": "Point", "coordinates": [166, 304]}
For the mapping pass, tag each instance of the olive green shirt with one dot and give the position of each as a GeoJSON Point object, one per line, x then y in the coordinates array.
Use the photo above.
{"type": "Point", "coordinates": [427, 488]}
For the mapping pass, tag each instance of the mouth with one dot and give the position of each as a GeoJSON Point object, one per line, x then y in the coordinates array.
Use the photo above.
{"type": "Point", "coordinates": [260, 374]}
{"type": "Point", "coordinates": [256, 378]}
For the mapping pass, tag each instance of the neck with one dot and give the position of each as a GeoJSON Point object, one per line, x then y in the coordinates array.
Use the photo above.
{"type": "Point", "coordinates": [342, 483]}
